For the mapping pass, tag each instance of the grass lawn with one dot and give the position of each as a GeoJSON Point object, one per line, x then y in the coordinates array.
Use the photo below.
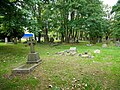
{"type": "Point", "coordinates": [61, 72]}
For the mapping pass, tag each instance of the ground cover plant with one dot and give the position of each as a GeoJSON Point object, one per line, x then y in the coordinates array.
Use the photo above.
{"type": "Point", "coordinates": [57, 72]}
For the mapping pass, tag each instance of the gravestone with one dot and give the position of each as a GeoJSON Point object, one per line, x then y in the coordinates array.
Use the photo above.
{"type": "Point", "coordinates": [6, 40]}
{"type": "Point", "coordinates": [33, 57]}
{"type": "Point", "coordinates": [117, 44]}
{"type": "Point", "coordinates": [86, 55]}
{"type": "Point", "coordinates": [73, 49]}
{"type": "Point", "coordinates": [104, 45]}
{"type": "Point", "coordinates": [32, 61]}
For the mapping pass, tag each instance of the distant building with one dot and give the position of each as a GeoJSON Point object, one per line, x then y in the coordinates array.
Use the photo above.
{"type": "Point", "coordinates": [28, 35]}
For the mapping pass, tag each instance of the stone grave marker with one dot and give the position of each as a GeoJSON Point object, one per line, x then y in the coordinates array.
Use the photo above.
{"type": "Point", "coordinates": [32, 61]}
{"type": "Point", "coordinates": [6, 40]}
{"type": "Point", "coordinates": [117, 44]}
{"type": "Point", "coordinates": [73, 49]}
{"type": "Point", "coordinates": [33, 57]}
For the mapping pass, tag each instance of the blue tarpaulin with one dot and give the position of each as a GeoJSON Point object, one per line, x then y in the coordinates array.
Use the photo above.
{"type": "Point", "coordinates": [27, 35]}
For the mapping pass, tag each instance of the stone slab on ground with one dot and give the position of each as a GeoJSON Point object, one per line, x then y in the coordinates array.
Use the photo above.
{"type": "Point", "coordinates": [26, 68]}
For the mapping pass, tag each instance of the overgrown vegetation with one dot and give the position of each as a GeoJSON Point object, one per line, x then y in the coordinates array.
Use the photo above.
{"type": "Point", "coordinates": [61, 72]}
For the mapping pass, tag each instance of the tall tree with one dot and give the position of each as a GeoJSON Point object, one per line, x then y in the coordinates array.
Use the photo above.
{"type": "Point", "coordinates": [14, 19]}
{"type": "Point", "coordinates": [116, 9]}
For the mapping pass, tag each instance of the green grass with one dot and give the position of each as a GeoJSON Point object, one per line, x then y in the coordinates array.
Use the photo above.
{"type": "Point", "coordinates": [62, 72]}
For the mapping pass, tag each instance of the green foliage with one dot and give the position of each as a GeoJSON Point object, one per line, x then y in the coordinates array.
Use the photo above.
{"type": "Point", "coordinates": [116, 24]}
{"type": "Point", "coordinates": [13, 19]}
{"type": "Point", "coordinates": [66, 17]}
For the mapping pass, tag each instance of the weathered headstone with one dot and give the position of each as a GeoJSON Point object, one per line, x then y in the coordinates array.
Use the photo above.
{"type": "Point", "coordinates": [73, 49]}
{"type": "Point", "coordinates": [32, 62]}
{"type": "Point", "coordinates": [117, 44]}
{"type": "Point", "coordinates": [33, 57]}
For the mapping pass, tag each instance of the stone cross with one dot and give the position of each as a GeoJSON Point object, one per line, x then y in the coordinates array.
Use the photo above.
{"type": "Point", "coordinates": [31, 43]}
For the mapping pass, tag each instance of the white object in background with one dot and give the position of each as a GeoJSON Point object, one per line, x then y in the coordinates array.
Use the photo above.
{"type": "Point", "coordinates": [97, 51]}
{"type": "Point", "coordinates": [6, 40]}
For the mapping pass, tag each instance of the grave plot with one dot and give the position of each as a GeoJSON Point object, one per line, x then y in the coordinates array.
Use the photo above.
{"type": "Point", "coordinates": [32, 61]}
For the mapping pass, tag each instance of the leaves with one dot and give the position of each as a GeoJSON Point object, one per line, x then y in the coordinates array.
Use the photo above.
{"type": "Point", "coordinates": [116, 23]}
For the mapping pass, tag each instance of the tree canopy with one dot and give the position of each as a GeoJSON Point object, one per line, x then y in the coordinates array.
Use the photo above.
{"type": "Point", "coordinates": [66, 19]}
{"type": "Point", "coordinates": [116, 25]}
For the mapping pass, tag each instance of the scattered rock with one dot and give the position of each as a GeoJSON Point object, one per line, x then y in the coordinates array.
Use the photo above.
{"type": "Point", "coordinates": [72, 51]}
{"type": "Point", "coordinates": [49, 79]}
{"type": "Point", "coordinates": [89, 45]}
{"type": "Point", "coordinates": [67, 88]}
{"type": "Point", "coordinates": [60, 53]}
{"type": "Point", "coordinates": [97, 51]}
{"type": "Point", "coordinates": [104, 45]}
{"type": "Point", "coordinates": [67, 51]}
{"type": "Point", "coordinates": [86, 55]}
{"type": "Point", "coordinates": [72, 88]}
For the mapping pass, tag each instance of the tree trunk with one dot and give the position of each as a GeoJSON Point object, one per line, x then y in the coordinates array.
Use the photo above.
{"type": "Point", "coordinates": [67, 36]}
{"type": "Point", "coordinates": [81, 35]}
{"type": "Point", "coordinates": [100, 39]}
{"type": "Point", "coordinates": [8, 39]}
{"type": "Point", "coordinates": [107, 39]}
{"type": "Point", "coordinates": [35, 36]}
{"type": "Point", "coordinates": [93, 40]}
{"type": "Point", "coordinates": [67, 39]}
{"type": "Point", "coordinates": [39, 37]}
{"type": "Point", "coordinates": [62, 37]}
{"type": "Point", "coordinates": [46, 38]}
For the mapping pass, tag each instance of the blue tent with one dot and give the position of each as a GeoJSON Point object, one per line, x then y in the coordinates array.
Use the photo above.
{"type": "Point", "coordinates": [27, 35]}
